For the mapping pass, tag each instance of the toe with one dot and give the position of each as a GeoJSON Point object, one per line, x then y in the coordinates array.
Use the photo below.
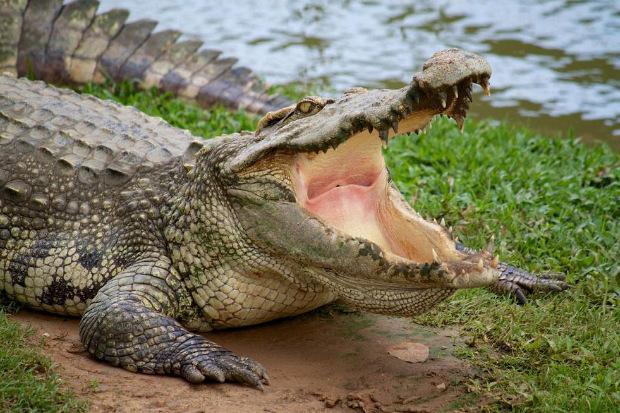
{"type": "Point", "coordinates": [191, 373]}
{"type": "Point", "coordinates": [212, 372]}
{"type": "Point", "coordinates": [243, 371]}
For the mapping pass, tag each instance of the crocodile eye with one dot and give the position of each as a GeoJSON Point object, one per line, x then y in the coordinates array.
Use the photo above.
{"type": "Point", "coordinates": [305, 106]}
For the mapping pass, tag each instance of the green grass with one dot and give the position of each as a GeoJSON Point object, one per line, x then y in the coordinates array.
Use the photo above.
{"type": "Point", "coordinates": [553, 205]}
{"type": "Point", "coordinates": [215, 122]}
{"type": "Point", "coordinates": [29, 383]}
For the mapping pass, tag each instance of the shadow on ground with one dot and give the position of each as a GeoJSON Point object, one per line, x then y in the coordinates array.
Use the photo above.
{"type": "Point", "coordinates": [323, 360]}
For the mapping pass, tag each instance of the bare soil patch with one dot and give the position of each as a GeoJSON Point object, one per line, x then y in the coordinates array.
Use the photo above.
{"type": "Point", "coordinates": [320, 361]}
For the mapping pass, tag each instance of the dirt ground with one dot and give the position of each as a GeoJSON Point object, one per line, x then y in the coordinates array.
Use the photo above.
{"type": "Point", "coordinates": [323, 361]}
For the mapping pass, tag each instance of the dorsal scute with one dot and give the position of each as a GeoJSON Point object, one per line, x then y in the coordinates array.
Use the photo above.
{"type": "Point", "coordinates": [100, 141]}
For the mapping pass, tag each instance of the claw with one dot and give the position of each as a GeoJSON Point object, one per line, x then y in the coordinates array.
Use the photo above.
{"type": "Point", "coordinates": [192, 374]}
{"type": "Point", "coordinates": [266, 378]}
{"type": "Point", "coordinates": [520, 296]}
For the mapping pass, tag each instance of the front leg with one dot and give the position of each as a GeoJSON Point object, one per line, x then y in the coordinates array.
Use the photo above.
{"type": "Point", "coordinates": [129, 324]}
{"type": "Point", "coordinates": [515, 281]}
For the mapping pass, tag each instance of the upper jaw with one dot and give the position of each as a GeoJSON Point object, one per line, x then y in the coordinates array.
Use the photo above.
{"type": "Point", "coordinates": [442, 87]}
{"type": "Point", "coordinates": [394, 256]}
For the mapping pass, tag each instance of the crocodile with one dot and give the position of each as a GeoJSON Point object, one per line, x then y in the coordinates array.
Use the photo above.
{"type": "Point", "coordinates": [152, 235]}
{"type": "Point", "coordinates": [70, 44]}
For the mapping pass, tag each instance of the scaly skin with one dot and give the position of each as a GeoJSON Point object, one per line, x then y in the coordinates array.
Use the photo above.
{"type": "Point", "coordinates": [70, 44]}
{"type": "Point", "coordinates": [148, 232]}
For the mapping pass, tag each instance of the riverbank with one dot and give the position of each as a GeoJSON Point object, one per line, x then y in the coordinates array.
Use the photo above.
{"type": "Point", "coordinates": [552, 205]}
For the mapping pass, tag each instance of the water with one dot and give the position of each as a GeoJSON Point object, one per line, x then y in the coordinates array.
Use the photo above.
{"type": "Point", "coordinates": [556, 63]}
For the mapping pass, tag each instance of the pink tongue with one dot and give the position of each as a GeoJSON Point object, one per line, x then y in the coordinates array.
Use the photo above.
{"type": "Point", "coordinates": [351, 209]}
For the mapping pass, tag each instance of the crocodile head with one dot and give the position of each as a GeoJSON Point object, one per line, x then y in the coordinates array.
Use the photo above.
{"type": "Point", "coordinates": [311, 188]}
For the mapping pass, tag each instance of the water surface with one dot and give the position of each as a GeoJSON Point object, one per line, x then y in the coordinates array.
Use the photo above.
{"type": "Point", "coordinates": [556, 63]}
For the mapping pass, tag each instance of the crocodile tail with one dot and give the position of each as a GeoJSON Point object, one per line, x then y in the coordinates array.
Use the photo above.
{"type": "Point", "coordinates": [71, 44]}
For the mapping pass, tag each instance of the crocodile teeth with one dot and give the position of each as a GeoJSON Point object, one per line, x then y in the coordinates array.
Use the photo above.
{"type": "Point", "coordinates": [484, 82]}
{"type": "Point", "coordinates": [455, 90]}
{"type": "Point", "coordinates": [443, 97]}
{"type": "Point", "coordinates": [395, 126]}
{"type": "Point", "coordinates": [495, 261]}
{"type": "Point", "coordinates": [383, 134]}
{"type": "Point", "coordinates": [468, 94]}
{"type": "Point", "coordinates": [442, 222]}
{"type": "Point", "coordinates": [460, 122]}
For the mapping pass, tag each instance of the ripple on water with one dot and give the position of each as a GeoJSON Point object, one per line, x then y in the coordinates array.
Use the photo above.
{"type": "Point", "coordinates": [556, 63]}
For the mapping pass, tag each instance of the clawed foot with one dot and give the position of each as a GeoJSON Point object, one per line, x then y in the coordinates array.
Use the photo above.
{"type": "Point", "coordinates": [205, 361]}
{"type": "Point", "coordinates": [516, 282]}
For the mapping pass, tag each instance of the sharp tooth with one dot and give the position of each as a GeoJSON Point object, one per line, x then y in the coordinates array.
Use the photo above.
{"type": "Point", "coordinates": [468, 94]}
{"type": "Point", "coordinates": [395, 125]}
{"type": "Point", "coordinates": [455, 90]}
{"type": "Point", "coordinates": [435, 256]}
{"type": "Point", "coordinates": [443, 222]}
{"type": "Point", "coordinates": [435, 220]}
{"type": "Point", "coordinates": [484, 82]}
{"type": "Point", "coordinates": [383, 134]}
{"type": "Point", "coordinates": [480, 264]}
{"type": "Point", "coordinates": [443, 97]}
{"type": "Point", "coordinates": [495, 261]}
{"type": "Point", "coordinates": [460, 122]}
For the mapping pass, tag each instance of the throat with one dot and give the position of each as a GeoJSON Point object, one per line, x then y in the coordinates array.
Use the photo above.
{"type": "Point", "coordinates": [346, 188]}
{"type": "Point", "coordinates": [352, 209]}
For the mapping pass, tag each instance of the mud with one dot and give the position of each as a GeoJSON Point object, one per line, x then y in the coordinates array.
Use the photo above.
{"type": "Point", "coordinates": [324, 361]}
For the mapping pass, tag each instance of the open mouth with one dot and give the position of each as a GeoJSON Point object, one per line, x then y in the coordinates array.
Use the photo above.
{"type": "Point", "coordinates": [347, 185]}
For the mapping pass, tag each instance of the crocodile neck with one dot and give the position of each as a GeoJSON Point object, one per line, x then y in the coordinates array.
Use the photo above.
{"type": "Point", "coordinates": [232, 282]}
